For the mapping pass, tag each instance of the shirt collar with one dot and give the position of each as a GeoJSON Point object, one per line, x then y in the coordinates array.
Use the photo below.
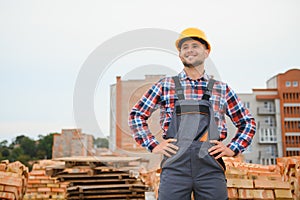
{"type": "Point", "coordinates": [183, 76]}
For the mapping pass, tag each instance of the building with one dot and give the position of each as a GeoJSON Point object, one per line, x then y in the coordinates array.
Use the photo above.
{"type": "Point", "coordinates": [276, 110]}
{"type": "Point", "coordinates": [72, 142]}
{"type": "Point", "coordinates": [124, 94]}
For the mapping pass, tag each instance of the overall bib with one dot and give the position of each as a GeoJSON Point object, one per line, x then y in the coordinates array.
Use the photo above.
{"type": "Point", "coordinates": [192, 169]}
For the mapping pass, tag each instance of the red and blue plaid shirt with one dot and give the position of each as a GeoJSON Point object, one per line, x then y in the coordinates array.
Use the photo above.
{"type": "Point", "coordinates": [162, 94]}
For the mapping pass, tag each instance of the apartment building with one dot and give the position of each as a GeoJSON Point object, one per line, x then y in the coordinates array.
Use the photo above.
{"type": "Point", "coordinates": [276, 109]}
{"type": "Point", "coordinates": [72, 142]}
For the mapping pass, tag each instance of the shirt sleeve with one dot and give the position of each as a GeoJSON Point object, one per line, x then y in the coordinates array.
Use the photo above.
{"type": "Point", "coordinates": [242, 119]}
{"type": "Point", "coordinates": [140, 113]}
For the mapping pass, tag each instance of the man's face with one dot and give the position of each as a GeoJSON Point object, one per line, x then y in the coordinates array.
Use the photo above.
{"type": "Point", "coordinates": [193, 53]}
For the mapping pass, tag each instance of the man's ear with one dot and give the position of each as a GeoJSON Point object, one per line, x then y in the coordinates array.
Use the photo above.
{"type": "Point", "coordinates": [179, 54]}
{"type": "Point", "coordinates": [207, 52]}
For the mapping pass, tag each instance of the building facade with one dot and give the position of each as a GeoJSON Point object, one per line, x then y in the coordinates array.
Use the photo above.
{"type": "Point", "coordinates": [124, 94]}
{"type": "Point", "coordinates": [72, 142]}
{"type": "Point", "coordinates": [276, 110]}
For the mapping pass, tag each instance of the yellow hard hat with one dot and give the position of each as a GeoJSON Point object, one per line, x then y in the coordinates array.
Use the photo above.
{"type": "Point", "coordinates": [193, 33]}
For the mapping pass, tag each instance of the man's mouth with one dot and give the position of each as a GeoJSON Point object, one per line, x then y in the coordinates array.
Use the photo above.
{"type": "Point", "coordinates": [190, 57]}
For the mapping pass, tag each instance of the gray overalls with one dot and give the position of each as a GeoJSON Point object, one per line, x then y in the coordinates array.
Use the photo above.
{"type": "Point", "coordinates": [192, 169]}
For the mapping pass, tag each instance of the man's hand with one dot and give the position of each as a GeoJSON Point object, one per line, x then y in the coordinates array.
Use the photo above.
{"type": "Point", "coordinates": [166, 147]}
{"type": "Point", "coordinates": [220, 148]}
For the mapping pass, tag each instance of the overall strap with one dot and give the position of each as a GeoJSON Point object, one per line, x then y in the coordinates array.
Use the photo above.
{"type": "Point", "coordinates": [178, 88]}
{"type": "Point", "coordinates": [207, 93]}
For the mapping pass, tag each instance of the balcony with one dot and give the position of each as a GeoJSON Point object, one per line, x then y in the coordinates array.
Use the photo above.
{"type": "Point", "coordinates": [267, 135]}
{"type": "Point", "coordinates": [261, 124]}
{"type": "Point", "coordinates": [266, 111]}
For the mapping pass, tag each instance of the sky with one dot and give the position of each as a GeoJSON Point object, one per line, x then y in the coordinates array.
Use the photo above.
{"type": "Point", "coordinates": [46, 45]}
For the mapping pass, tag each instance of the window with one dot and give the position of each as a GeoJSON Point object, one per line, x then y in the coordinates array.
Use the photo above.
{"type": "Point", "coordinates": [247, 105]}
{"type": "Point", "coordinates": [268, 161]}
{"type": "Point", "coordinates": [267, 135]}
{"type": "Point", "coordinates": [288, 83]}
{"type": "Point", "coordinates": [295, 83]}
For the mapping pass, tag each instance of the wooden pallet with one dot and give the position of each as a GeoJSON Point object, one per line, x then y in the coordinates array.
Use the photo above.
{"type": "Point", "coordinates": [99, 178]}
{"type": "Point", "coordinates": [117, 191]}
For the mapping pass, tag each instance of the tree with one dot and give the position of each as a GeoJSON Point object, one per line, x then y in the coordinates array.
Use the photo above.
{"type": "Point", "coordinates": [101, 142]}
{"type": "Point", "coordinates": [5, 152]}
{"type": "Point", "coordinates": [25, 149]}
{"type": "Point", "coordinates": [3, 144]}
{"type": "Point", "coordinates": [44, 146]}
{"type": "Point", "coordinates": [29, 146]}
{"type": "Point", "coordinates": [15, 153]}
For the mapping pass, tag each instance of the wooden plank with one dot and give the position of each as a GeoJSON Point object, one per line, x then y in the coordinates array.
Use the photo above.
{"type": "Point", "coordinates": [78, 175]}
{"type": "Point", "coordinates": [110, 196]}
{"type": "Point", "coordinates": [102, 181]}
{"type": "Point", "coordinates": [98, 159]}
{"type": "Point", "coordinates": [92, 187]}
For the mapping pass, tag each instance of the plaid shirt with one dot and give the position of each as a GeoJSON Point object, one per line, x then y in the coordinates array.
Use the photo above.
{"type": "Point", "coordinates": [162, 94]}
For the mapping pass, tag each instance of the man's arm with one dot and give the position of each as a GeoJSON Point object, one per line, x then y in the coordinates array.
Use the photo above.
{"type": "Point", "coordinates": [140, 113]}
{"type": "Point", "coordinates": [242, 119]}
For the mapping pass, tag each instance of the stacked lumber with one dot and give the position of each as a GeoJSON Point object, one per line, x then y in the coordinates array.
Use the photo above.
{"type": "Point", "coordinates": [101, 178]}
{"type": "Point", "coordinates": [254, 181]}
{"type": "Point", "coordinates": [290, 169]}
{"type": "Point", "coordinates": [42, 186]}
{"type": "Point", "coordinates": [13, 180]}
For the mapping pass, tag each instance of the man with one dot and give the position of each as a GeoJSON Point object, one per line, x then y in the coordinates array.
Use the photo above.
{"type": "Point", "coordinates": [193, 108]}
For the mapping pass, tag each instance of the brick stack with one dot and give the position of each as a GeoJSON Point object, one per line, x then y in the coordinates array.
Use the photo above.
{"type": "Point", "coordinates": [41, 186]}
{"type": "Point", "coordinates": [13, 180]}
{"type": "Point", "coordinates": [290, 169]}
{"type": "Point", "coordinates": [151, 178]}
{"type": "Point", "coordinates": [251, 181]}
{"type": "Point", "coordinates": [254, 181]}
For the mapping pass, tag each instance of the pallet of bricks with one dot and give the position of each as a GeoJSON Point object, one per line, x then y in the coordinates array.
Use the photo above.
{"type": "Point", "coordinates": [255, 181]}
{"type": "Point", "coordinates": [41, 186]}
{"type": "Point", "coordinates": [101, 178]}
{"type": "Point", "coordinates": [13, 180]}
{"type": "Point", "coordinates": [290, 169]}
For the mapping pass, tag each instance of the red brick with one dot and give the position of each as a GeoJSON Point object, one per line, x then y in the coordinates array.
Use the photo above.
{"type": "Point", "coordinates": [7, 195]}
{"type": "Point", "coordinates": [239, 183]}
{"type": "Point", "coordinates": [58, 190]}
{"type": "Point", "coordinates": [47, 181]}
{"type": "Point", "coordinates": [245, 193]}
{"type": "Point", "coordinates": [37, 173]}
{"type": "Point", "coordinates": [263, 194]}
{"type": "Point", "coordinates": [34, 181]}
{"type": "Point", "coordinates": [2, 167]}
{"type": "Point", "coordinates": [232, 193]}
{"type": "Point", "coordinates": [52, 185]}
{"type": "Point", "coordinates": [283, 194]}
{"type": "Point", "coordinates": [44, 189]}
{"type": "Point", "coordinates": [271, 184]}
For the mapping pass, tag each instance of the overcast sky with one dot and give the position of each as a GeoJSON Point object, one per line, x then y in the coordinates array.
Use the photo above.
{"type": "Point", "coordinates": [44, 44]}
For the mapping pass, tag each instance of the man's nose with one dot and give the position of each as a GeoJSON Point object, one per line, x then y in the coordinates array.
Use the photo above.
{"type": "Point", "coordinates": [190, 49]}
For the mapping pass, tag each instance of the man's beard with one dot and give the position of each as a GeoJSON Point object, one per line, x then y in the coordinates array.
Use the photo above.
{"type": "Point", "coordinates": [194, 64]}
